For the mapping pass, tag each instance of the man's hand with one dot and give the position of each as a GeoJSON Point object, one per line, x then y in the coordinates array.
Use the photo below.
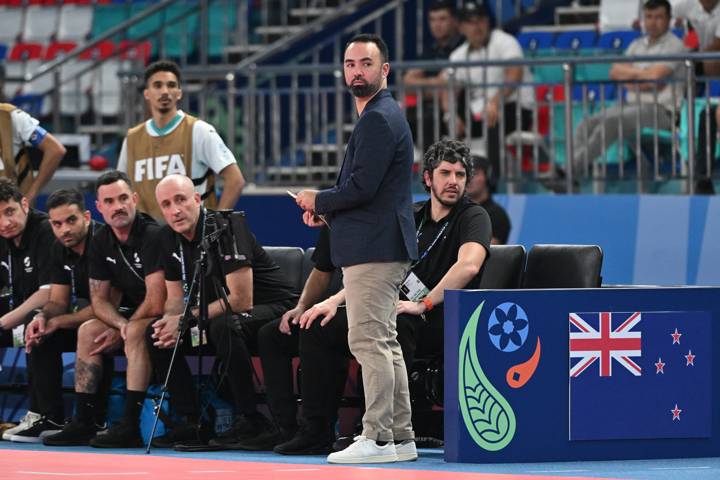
{"type": "Point", "coordinates": [327, 309]}
{"type": "Point", "coordinates": [312, 220]}
{"type": "Point", "coordinates": [291, 316]}
{"type": "Point", "coordinates": [411, 308]}
{"type": "Point", "coordinates": [166, 331]}
{"type": "Point", "coordinates": [306, 200]}
{"type": "Point", "coordinates": [107, 341]}
{"type": "Point", "coordinates": [459, 127]}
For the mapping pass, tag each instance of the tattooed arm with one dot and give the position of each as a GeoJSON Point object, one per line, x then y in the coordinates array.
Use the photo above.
{"type": "Point", "coordinates": [102, 299]}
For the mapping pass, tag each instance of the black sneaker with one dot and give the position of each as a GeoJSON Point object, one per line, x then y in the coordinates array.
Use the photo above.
{"type": "Point", "coordinates": [181, 433]}
{"type": "Point", "coordinates": [36, 432]}
{"type": "Point", "coordinates": [122, 435]}
{"type": "Point", "coordinates": [266, 440]}
{"type": "Point", "coordinates": [75, 433]}
{"type": "Point", "coordinates": [244, 427]}
{"type": "Point", "coordinates": [310, 439]}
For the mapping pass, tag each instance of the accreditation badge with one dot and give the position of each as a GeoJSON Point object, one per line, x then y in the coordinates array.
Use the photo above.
{"type": "Point", "coordinates": [196, 337]}
{"type": "Point", "coordinates": [18, 334]}
{"type": "Point", "coordinates": [413, 288]}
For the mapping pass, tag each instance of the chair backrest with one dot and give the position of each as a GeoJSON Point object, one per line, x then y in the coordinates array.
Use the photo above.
{"type": "Point", "coordinates": [290, 261]}
{"type": "Point", "coordinates": [336, 283]}
{"type": "Point", "coordinates": [563, 266]}
{"type": "Point", "coordinates": [503, 268]}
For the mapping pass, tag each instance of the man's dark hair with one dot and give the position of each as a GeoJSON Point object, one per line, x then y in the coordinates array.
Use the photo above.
{"type": "Point", "coordinates": [444, 5]}
{"type": "Point", "coordinates": [162, 66]}
{"type": "Point", "coordinates": [9, 191]}
{"type": "Point", "coordinates": [111, 177]}
{"type": "Point", "coordinates": [653, 4]}
{"type": "Point", "coordinates": [66, 196]}
{"type": "Point", "coordinates": [452, 151]}
{"type": "Point", "coordinates": [371, 38]}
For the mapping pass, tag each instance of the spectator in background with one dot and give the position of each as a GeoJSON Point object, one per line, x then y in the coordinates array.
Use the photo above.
{"type": "Point", "coordinates": [704, 16]}
{"type": "Point", "coordinates": [487, 101]}
{"type": "Point", "coordinates": [479, 189]}
{"type": "Point", "coordinates": [540, 13]}
{"type": "Point", "coordinates": [443, 22]}
{"type": "Point", "coordinates": [639, 111]}
{"type": "Point", "coordinates": [18, 131]}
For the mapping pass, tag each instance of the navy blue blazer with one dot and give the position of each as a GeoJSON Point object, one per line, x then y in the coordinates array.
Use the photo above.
{"type": "Point", "coordinates": [370, 208]}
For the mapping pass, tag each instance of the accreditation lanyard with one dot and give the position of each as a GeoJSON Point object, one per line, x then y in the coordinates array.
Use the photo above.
{"type": "Point", "coordinates": [432, 244]}
{"type": "Point", "coordinates": [11, 302]}
{"type": "Point", "coordinates": [183, 270]}
{"type": "Point", "coordinates": [137, 275]}
{"type": "Point", "coordinates": [73, 289]}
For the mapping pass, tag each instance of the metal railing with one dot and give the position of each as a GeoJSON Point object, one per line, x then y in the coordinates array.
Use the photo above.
{"type": "Point", "coordinates": [294, 121]}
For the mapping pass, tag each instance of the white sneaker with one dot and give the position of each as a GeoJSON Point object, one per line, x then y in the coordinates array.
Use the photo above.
{"type": "Point", "coordinates": [25, 422]}
{"type": "Point", "coordinates": [365, 450]}
{"type": "Point", "coordinates": [406, 451]}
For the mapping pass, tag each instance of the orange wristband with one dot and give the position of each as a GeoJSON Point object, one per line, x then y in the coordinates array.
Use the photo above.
{"type": "Point", "coordinates": [428, 304]}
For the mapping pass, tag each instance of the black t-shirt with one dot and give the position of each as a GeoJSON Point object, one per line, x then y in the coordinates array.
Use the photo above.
{"type": "Point", "coordinates": [69, 268]}
{"type": "Point", "coordinates": [269, 282]}
{"type": "Point", "coordinates": [499, 219]}
{"type": "Point", "coordinates": [127, 264]}
{"type": "Point", "coordinates": [439, 242]}
{"type": "Point", "coordinates": [29, 261]}
{"type": "Point", "coordinates": [440, 52]}
{"type": "Point", "coordinates": [321, 255]}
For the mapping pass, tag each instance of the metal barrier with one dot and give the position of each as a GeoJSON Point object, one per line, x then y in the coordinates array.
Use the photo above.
{"type": "Point", "coordinates": [295, 120]}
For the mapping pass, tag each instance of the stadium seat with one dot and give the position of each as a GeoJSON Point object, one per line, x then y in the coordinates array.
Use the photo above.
{"type": "Point", "coordinates": [57, 48]}
{"type": "Point", "coordinates": [503, 268]}
{"type": "Point", "coordinates": [75, 22]}
{"type": "Point", "coordinates": [618, 40]}
{"type": "Point", "coordinates": [179, 38]}
{"type": "Point", "coordinates": [106, 88]}
{"type": "Point", "coordinates": [290, 261]}
{"type": "Point", "coordinates": [563, 266]}
{"type": "Point", "coordinates": [133, 50]}
{"type": "Point", "coordinates": [3, 52]}
{"type": "Point", "coordinates": [41, 23]}
{"type": "Point", "coordinates": [223, 18]}
{"type": "Point", "coordinates": [11, 23]}
{"type": "Point", "coordinates": [13, 69]}
{"type": "Point", "coordinates": [26, 51]}
{"type": "Point", "coordinates": [106, 17]}
{"type": "Point", "coordinates": [533, 41]}
{"type": "Point", "coordinates": [101, 51]}
{"type": "Point", "coordinates": [575, 40]}
{"type": "Point", "coordinates": [38, 87]}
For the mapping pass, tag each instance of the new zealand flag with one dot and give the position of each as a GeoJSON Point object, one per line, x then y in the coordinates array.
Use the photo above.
{"type": "Point", "coordinates": [639, 375]}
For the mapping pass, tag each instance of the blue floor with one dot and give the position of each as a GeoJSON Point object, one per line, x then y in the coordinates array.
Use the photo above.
{"type": "Point", "coordinates": [432, 459]}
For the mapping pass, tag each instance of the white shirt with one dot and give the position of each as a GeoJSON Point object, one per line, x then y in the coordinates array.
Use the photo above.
{"type": "Point", "coordinates": [667, 44]}
{"type": "Point", "coordinates": [707, 25]}
{"type": "Point", "coordinates": [24, 127]}
{"type": "Point", "coordinates": [208, 150]}
{"type": "Point", "coordinates": [500, 46]}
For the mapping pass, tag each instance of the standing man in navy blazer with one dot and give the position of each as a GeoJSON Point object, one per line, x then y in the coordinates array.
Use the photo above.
{"type": "Point", "coordinates": [372, 237]}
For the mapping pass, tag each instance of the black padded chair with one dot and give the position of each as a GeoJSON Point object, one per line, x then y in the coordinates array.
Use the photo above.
{"type": "Point", "coordinates": [290, 261]}
{"type": "Point", "coordinates": [335, 282]}
{"type": "Point", "coordinates": [563, 266]}
{"type": "Point", "coordinates": [503, 268]}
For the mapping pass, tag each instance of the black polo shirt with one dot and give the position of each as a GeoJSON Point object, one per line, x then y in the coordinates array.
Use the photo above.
{"type": "Point", "coordinates": [269, 283]}
{"type": "Point", "coordinates": [28, 261]}
{"type": "Point", "coordinates": [127, 264]}
{"type": "Point", "coordinates": [69, 268]}
{"type": "Point", "coordinates": [439, 242]}
{"type": "Point", "coordinates": [321, 255]}
{"type": "Point", "coordinates": [440, 52]}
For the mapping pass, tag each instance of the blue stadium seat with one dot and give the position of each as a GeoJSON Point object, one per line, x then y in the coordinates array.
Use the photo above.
{"type": "Point", "coordinates": [3, 51]}
{"type": "Point", "coordinates": [618, 40]}
{"type": "Point", "coordinates": [713, 89]}
{"type": "Point", "coordinates": [576, 40]}
{"type": "Point", "coordinates": [532, 41]}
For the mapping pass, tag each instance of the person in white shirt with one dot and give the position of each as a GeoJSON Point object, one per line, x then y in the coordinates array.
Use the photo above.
{"type": "Point", "coordinates": [493, 97]}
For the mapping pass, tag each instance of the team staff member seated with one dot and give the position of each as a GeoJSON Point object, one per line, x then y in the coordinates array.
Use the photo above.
{"type": "Point", "coordinates": [175, 142]}
{"type": "Point", "coordinates": [18, 130]}
{"type": "Point", "coordinates": [453, 242]}
{"type": "Point", "coordinates": [257, 292]}
{"type": "Point", "coordinates": [25, 240]}
{"type": "Point", "coordinates": [123, 259]}
{"type": "Point", "coordinates": [53, 330]}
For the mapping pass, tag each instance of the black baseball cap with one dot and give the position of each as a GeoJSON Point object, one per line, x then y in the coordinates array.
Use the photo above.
{"type": "Point", "coordinates": [473, 9]}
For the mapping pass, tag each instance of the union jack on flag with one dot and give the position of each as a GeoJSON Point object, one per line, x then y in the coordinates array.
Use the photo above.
{"type": "Point", "coordinates": [604, 343]}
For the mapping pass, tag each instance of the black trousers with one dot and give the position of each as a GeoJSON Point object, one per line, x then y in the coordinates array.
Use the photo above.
{"type": "Point", "coordinates": [420, 337]}
{"type": "Point", "coordinates": [324, 355]}
{"type": "Point", "coordinates": [45, 372]}
{"type": "Point", "coordinates": [232, 348]}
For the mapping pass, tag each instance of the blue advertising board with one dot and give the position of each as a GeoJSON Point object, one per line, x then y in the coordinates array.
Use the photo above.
{"type": "Point", "coordinates": [581, 374]}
